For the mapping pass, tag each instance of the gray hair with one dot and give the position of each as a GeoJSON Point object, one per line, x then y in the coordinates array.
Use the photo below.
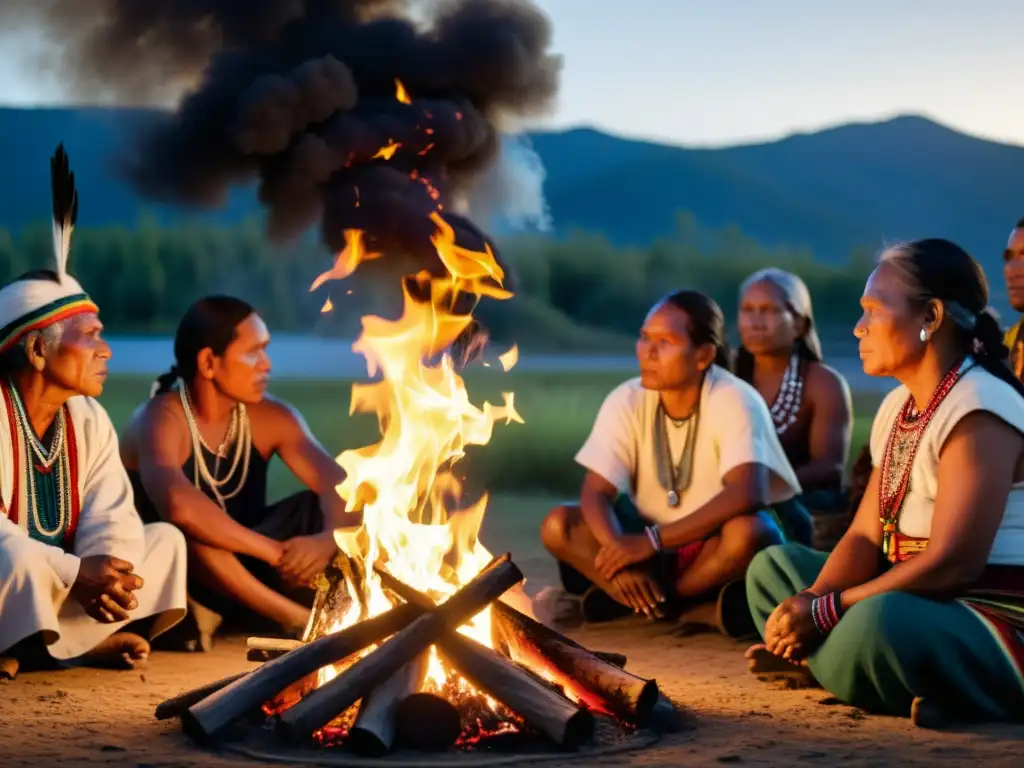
{"type": "Point", "coordinates": [15, 359]}
{"type": "Point", "coordinates": [901, 258]}
{"type": "Point", "coordinates": [797, 299]}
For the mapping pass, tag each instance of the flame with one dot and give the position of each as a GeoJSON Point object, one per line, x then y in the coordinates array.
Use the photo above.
{"type": "Point", "coordinates": [509, 359]}
{"type": "Point", "coordinates": [387, 151]}
{"type": "Point", "coordinates": [404, 485]}
{"type": "Point", "coordinates": [327, 307]}
{"type": "Point", "coordinates": [353, 254]}
{"type": "Point", "coordinates": [400, 93]}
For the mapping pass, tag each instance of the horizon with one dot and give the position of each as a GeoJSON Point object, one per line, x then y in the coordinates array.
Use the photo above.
{"type": "Point", "coordinates": [752, 83]}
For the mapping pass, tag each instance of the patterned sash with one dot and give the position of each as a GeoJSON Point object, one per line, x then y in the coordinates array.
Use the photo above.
{"type": "Point", "coordinates": [997, 599]}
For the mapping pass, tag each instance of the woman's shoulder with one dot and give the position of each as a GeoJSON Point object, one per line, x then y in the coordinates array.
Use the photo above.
{"type": "Point", "coordinates": [979, 389]}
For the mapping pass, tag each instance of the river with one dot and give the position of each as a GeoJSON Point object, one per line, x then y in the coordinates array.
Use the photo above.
{"type": "Point", "coordinates": [300, 356]}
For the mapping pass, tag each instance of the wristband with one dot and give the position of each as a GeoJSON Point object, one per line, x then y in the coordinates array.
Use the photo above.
{"type": "Point", "coordinates": [654, 536]}
{"type": "Point", "coordinates": [826, 611]}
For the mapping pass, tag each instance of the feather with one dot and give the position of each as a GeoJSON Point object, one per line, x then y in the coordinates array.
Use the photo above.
{"type": "Point", "coordinates": [65, 208]}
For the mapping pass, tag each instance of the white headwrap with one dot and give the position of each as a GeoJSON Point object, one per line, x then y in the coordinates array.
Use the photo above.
{"type": "Point", "coordinates": [29, 305]}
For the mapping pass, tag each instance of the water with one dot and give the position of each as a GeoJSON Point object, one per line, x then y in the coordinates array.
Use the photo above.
{"type": "Point", "coordinates": [309, 357]}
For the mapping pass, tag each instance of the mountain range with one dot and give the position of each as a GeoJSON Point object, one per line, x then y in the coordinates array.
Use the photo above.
{"type": "Point", "coordinates": [853, 186]}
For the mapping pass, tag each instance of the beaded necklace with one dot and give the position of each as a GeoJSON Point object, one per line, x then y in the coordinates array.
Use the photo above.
{"type": "Point", "coordinates": [46, 460]}
{"type": "Point", "coordinates": [790, 397]}
{"type": "Point", "coordinates": [239, 432]}
{"type": "Point", "coordinates": [900, 450]}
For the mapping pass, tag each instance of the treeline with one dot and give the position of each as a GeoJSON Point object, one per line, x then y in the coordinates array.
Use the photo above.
{"type": "Point", "coordinates": [578, 291]}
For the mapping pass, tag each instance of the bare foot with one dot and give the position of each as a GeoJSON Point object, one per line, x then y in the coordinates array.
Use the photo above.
{"type": "Point", "coordinates": [771, 668]}
{"type": "Point", "coordinates": [8, 667]}
{"type": "Point", "coordinates": [122, 650]}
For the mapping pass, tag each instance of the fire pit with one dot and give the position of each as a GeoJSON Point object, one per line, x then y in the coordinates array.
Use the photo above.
{"type": "Point", "coordinates": [409, 679]}
{"type": "Point", "coordinates": [413, 643]}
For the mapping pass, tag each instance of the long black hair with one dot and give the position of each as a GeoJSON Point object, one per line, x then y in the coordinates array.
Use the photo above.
{"type": "Point", "coordinates": [707, 323]}
{"type": "Point", "coordinates": [210, 323]}
{"type": "Point", "coordinates": [942, 270]}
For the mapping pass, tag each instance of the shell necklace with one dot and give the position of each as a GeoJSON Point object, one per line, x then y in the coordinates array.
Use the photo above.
{"type": "Point", "coordinates": [790, 398]}
{"type": "Point", "coordinates": [239, 432]}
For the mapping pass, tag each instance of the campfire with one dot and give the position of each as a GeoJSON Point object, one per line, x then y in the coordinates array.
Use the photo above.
{"type": "Point", "coordinates": [416, 638]}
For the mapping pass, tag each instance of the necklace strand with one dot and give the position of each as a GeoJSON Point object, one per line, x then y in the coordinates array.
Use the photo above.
{"type": "Point", "coordinates": [239, 432]}
{"type": "Point", "coordinates": [789, 400]}
{"type": "Point", "coordinates": [900, 451]}
{"type": "Point", "coordinates": [47, 459]}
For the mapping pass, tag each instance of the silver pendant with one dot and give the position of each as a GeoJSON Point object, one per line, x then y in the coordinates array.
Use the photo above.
{"type": "Point", "coordinates": [673, 499]}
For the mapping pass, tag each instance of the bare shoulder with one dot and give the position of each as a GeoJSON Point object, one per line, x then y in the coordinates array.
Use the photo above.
{"type": "Point", "coordinates": [825, 383]}
{"type": "Point", "coordinates": [275, 413]}
{"type": "Point", "coordinates": [157, 426]}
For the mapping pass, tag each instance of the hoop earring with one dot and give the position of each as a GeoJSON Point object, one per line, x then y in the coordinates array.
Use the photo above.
{"type": "Point", "coordinates": [923, 336]}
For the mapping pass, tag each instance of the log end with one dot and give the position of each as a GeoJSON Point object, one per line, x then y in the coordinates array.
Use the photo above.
{"type": "Point", "coordinates": [579, 729]}
{"type": "Point", "coordinates": [192, 727]}
{"type": "Point", "coordinates": [366, 743]}
{"type": "Point", "coordinates": [427, 722]}
{"type": "Point", "coordinates": [646, 701]}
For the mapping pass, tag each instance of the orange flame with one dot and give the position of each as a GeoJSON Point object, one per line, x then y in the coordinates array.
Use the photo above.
{"type": "Point", "coordinates": [404, 485]}
{"type": "Point", "coordinates": [400, 93]}
{"type": "Point", "coordinates": [327, 307]}
{"type": "Point", "coordinates": [388, 151]}
{"type": "Point", "coordinates": [350, 257]}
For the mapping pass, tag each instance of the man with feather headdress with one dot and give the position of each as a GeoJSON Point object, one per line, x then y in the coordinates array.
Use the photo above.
{"type": "Point", "coordinates": [81, 577]}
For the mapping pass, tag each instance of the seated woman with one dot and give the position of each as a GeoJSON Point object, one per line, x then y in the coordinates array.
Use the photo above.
{"type": "Point", "coordinates": [695, 450]}
{"type": "Point", "coordinates": [780, 355]}
{"type": "Point", "coordinates": [247, 558]}
{"type": "Point", "coordinates": [918, 609]}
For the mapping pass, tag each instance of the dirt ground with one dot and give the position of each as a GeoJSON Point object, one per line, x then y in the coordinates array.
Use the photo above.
{"type": "Point", "coordinates": [93, 718]}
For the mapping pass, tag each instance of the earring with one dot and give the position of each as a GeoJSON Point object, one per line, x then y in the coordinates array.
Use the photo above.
{"type": "Point", "coordinates": [923, 336]}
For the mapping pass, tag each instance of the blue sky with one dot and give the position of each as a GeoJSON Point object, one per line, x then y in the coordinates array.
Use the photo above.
{"type": "Point", "coordinates": [722, 71]}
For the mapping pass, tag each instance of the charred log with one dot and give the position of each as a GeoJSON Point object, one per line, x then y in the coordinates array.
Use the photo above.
{"type": "Point", "coordinates": [204, 720]}
{"type": "Point", "coordinates": [427, 722]}
{"type": "Point", "coordinates": [625, 694]}
{"type": "Point", "coordinates": [373, 734]}
{"type": "Point", "coordinates": [299, 722]}
{"type": "Point", "coordinates": [521, 691]}
{"type": "Point", "coordinates": [528, 696]}
{"type": "Point", "coordinates": [177, 705]}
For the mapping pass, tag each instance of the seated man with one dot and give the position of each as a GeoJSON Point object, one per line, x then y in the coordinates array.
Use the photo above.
{"type": "Point", "coordinates": [696, 450]}
{"type": "Point", "coordinates": [81, 578]}
{"type": "Point", "coordinates": [247, 558]}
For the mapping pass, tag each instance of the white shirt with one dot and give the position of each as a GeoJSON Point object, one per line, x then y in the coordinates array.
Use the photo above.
{"type": "Point", "coordinates": [108, 524]}
{"type": "Point", "coordinates": [734, 428]}
{"type": "Point", "coordinates": [977, 390]}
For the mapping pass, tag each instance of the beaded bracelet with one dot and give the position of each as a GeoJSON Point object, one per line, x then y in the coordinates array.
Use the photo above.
{"type": "Point", "coordinates": [826, 611]}
{"type": "Point", "coordinates": [654, 536]}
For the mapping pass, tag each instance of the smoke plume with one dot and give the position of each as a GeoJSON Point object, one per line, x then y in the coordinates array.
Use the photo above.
{"type": "Point", "coordinates": [306, 98]}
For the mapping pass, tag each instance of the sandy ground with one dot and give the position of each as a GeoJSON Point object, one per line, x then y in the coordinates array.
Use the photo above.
{"type": "Point", "coordinates": [93, 718]}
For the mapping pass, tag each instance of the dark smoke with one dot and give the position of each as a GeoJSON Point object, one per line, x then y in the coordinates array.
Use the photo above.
{"type": "Point", "coordinates": [300, 95]}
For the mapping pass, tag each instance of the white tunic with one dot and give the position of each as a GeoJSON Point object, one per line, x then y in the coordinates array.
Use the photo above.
{"type": "Point", "coordinates": [977, 390]}
{"type": "Point", "coordinates": [36, 578]}
{"type": "Point", "coordinates": [734, 427]}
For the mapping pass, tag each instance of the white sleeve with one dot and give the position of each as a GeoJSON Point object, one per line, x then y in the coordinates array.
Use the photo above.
{"type": "Point", "coordinates": [610, 450]}
{"type": "Point", "coordinates": [15, 539]}
{"type": "Point", "coordinates": [744, 432]}
{"type": "Point", "coordinates": [109, 523]}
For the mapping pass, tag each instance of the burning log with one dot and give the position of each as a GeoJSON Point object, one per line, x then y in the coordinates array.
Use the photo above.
{"type": "Point", "coordinates": [627, 695]}
{"type": "Point", "coordinates": [427, 722]}
{"type": "Point", "coordinates": [328, 701]}
{"type": "Point", "coordinates": [216, 712]}
{"type": "Point", "coordinates": [332, 595]}
{"type": "Point", "coordinates": [531, 698]}
{"type": "Point", "coordinates": [179, 704]}
{"type": "Point", "coordinates": [373, 733]}
{"type": "Point", "coordinates": [266, 648]}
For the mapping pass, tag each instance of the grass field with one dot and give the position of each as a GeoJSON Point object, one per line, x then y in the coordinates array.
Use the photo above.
{"type": "Point", "coordinates": [535, 458]}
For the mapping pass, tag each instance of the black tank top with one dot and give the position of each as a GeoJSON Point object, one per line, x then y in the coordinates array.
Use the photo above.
{"type": "Point", "coordinates": [248, 507]}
